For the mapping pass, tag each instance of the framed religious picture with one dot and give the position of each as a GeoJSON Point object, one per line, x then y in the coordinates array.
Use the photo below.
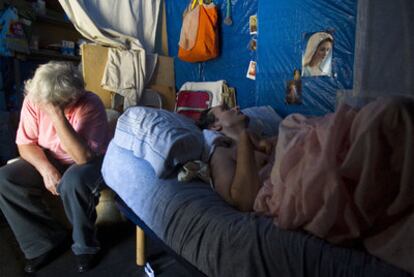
{"type": "Point", "coordinates": [317, 55]}
{"type": "Point", "coordinates": [294, 92]}
{"type": "Point", "coordinates": [253, 45]}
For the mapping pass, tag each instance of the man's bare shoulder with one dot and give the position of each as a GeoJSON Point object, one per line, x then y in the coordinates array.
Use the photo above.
{"type": "Point", "coordinates": [222, 168]}
{"type": "Point", "coordinates": [223, 160]}
{"type": "Point", "coordinates": [223, 152]}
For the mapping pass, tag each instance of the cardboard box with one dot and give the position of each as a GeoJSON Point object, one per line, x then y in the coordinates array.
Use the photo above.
{"type": "Point", "coordinates": [94, 59]}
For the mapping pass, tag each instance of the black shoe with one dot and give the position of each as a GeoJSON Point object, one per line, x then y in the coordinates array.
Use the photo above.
{"type": "Point", "coordinates": [33, 265]}
{"type": "Point", "coordinates": [85, 262]}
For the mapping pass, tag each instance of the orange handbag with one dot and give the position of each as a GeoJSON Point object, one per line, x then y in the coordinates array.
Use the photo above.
{"type": "Point", "coordinates": [199, 42]}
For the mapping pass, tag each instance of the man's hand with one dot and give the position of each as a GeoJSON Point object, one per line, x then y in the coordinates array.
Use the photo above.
{"type": "Point", "coordinates": [51, 178]}
{"type": "Point", "coordinates": [36, 157]}
{"type": "Point", "coordinates": [265, 146]}
{"type": "Point", "coordinates": [260, 144]}
{"type": "Point", "coordinates": [53, 111]}
{"type": "Point", "coordinates": [71, 142]}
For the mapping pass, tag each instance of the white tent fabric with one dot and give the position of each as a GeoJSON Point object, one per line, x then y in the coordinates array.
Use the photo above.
{"type": "Point", "coordinates": [384, 50]}
{"type": "Point", "coordinates": [117, 23]}
{"type": "Point", "coordinates": [130, 26]}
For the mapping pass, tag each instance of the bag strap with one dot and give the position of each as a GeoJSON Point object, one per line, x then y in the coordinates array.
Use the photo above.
{"type": "Point", "coordinates": [200, 2]}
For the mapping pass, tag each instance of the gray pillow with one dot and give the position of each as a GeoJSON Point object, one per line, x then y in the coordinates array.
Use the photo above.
{"type": "Point", "coordinates": [165, 139]}
{"type": "Point", "coordinates": [264, 120]}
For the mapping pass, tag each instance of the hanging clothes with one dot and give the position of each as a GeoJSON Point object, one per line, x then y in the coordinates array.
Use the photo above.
{"type": "Point", "coordinates": [124, 74]}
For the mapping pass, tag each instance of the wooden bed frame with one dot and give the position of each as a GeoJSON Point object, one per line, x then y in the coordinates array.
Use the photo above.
{"type": "Point", "coordinates": [141, 257]}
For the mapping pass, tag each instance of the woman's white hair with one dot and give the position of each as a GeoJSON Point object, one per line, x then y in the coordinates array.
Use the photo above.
{"type": "Point", "coordinates": [59, 83]}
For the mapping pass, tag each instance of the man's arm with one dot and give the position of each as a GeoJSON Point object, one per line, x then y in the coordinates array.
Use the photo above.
{"type": "Point", "coordinates": [71, 141]}
{"type": "Point", "coordinates": [236, 179]}
{"type": "Point", "coordinates": [246, 182]}
{"type": "Point", "coordinates": [36, 157]}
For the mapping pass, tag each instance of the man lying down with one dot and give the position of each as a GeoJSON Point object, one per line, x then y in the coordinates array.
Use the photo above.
{"type": "Point", "coordinates": [344, 176]}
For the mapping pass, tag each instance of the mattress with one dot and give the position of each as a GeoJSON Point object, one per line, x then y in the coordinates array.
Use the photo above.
{"type": "Point", "coordinates": [199, 226]}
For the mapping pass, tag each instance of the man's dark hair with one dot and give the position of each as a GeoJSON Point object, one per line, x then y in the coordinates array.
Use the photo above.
{"type": "Point", "coordinates": [206, 119]}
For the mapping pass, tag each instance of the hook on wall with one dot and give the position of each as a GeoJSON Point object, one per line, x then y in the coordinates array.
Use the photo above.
{"type": "Point", "coordinates": [227, 19]}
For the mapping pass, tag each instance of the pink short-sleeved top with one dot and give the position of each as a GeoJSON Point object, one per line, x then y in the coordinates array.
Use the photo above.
{"type": "Point", "coordinates": [87, 117]}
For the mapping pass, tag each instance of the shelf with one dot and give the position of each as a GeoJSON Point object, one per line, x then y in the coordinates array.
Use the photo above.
{"type": "Point", "coordinates": [55, 20]}
{"type": "Point", "coordinates": [50, 54]}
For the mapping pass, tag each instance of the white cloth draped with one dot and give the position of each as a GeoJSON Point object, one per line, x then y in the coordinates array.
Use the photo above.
{"type": "Point", "coordinates": [384, 50]}
{"type": "Point", "coordinates": [129, 26]}
{"type": "Point", "coordinates": [116, 23]}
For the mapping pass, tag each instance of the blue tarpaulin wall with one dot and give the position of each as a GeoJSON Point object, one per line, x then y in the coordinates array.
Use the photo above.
{"type": "Point", "coordinates": [235, 55]}
{"type": "Point", "coordinates": [283, 27]}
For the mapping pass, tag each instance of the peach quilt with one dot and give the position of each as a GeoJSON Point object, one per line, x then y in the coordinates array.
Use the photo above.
{"type": "Point", "coordinates": [348, 175]}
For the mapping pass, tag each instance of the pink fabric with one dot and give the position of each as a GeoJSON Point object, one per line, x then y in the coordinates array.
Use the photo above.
{"type": "Point", "coordinates": [87, 117]}
{"type": "Point", "coordinates": [348, 175]}
{"type": "Point", "coordinates": [189, 28]}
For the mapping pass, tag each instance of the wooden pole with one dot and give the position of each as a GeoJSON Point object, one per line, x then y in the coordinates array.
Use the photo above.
{"type": "Point", "coordinates": [140, 249]}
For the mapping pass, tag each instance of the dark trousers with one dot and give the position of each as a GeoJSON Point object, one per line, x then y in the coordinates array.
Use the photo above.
{"type": "Point", "coordinates": [23, 204]}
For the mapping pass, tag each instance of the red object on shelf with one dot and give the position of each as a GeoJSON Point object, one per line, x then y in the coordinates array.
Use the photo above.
{"type": "Point", "coordinates": [192, 103]}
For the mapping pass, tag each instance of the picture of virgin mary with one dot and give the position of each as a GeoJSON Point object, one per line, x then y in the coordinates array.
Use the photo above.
{"type": "Point", "coordinates": [316, 60]}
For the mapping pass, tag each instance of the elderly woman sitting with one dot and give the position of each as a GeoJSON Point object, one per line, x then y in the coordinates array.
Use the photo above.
{"type": "Point", "coordinates": [62, 136]}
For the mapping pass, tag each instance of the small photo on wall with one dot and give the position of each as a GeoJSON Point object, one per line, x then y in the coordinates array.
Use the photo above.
{"type": "Point", "coordinates": [253, 24]}
{"type": "Point", "coordinates": [251, 72]}
{"type": "Point", "coordinates": [294, 92]}
{"type": "Point", "coordinates": [317, 54]}
{"type": "Point", "coordinates": [253, 45]}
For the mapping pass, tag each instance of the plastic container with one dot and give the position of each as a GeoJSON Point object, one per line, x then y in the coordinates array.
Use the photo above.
{"type": "Point", "coordinates": [41, 7]}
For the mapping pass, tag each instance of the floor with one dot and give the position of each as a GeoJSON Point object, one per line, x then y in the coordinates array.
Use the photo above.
{"type": "Point", "coordinates": [118, 248]}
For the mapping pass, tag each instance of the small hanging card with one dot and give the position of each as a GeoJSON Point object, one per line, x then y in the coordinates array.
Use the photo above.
{"type": "Point", "coordinates": [251, 72]}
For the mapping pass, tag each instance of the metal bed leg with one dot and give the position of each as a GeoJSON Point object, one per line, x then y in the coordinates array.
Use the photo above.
{"type": "Point", "coordinates": [140, 248]}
